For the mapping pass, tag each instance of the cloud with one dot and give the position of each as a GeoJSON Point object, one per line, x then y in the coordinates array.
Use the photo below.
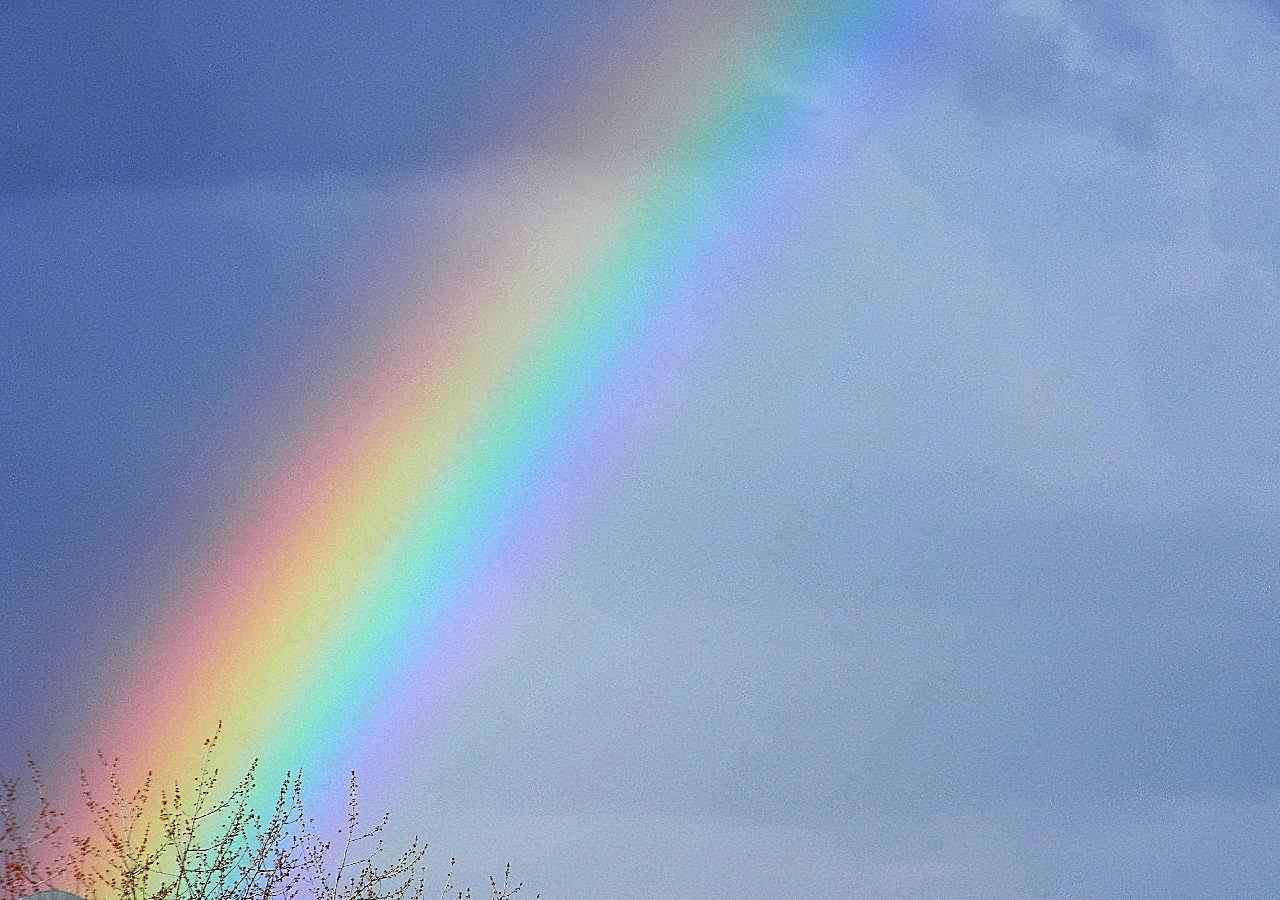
{"type": "Point", "coordinates": [1097, 65]}
{"type": "Point", "coordinates": [1077, 849]}
{"type": "Point", "coordinates": [137, 95]}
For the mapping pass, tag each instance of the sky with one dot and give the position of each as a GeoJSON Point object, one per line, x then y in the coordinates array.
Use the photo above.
{"type": "Point", "coordinates": [936, 550]}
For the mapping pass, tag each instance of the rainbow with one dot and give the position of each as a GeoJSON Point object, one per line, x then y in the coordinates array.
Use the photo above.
{"type": "Point", "coordinates": [423, 487]}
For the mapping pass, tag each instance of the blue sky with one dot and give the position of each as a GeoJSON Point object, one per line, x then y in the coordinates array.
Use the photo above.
{"type": "Point", "coordinates": [951, 570]}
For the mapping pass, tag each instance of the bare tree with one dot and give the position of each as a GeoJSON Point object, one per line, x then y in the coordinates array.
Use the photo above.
{"type": "Point", "coordinates": [195, 843]}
